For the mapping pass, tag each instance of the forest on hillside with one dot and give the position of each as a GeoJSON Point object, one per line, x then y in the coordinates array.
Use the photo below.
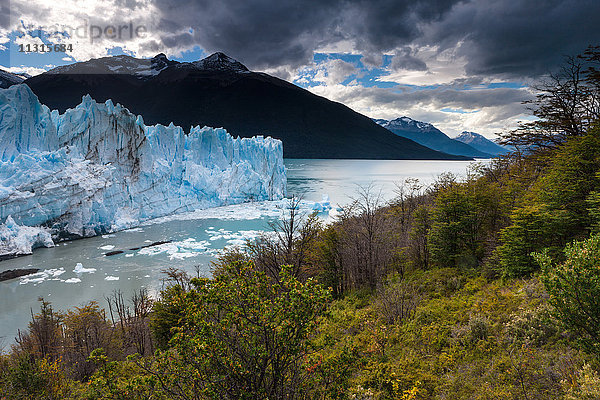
{"type": "Point", "coordinates": [486, 287]}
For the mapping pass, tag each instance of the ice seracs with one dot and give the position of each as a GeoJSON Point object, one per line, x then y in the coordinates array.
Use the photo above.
{"type": "Point", "coordinates": [17, 239]}
{"type": "Point", "coordinates": [98, 168]}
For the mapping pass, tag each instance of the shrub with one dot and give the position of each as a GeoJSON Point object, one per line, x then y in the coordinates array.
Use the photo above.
{"type": "Point", "coordinates": [531, 327]}
{"type": "Point", "coordinates": [245, 335]}
{"type": "Point", "coordinates": [397, 302]}
{"type": "Point", "coordinates": [574, 289]}
{"type": "Point", "coordinates": [585, 387]}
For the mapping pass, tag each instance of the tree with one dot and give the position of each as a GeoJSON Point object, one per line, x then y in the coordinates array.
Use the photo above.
{"type": "Point", "coordinates": [574, 289]}
{"type": "Point", "coordinates": [86, 329]}
{"type": "Point", "coordinates": [365, 242]}
{"type": "Point", "coordinates": [133, 320]}
{"type": "Point", "coordinates": [245, 336]}
{"type": "Point", "coordinates": [325, 261]}
{"type": "Point", "coordinates": [419, 237]}
{"type": "Point", "coordinates": [567, 104]}
{"type": "Point", "coordinates": [527, 233]}
{"type": "Point", "coordinates": [288, 243]}
{"type": "Point", "coordinates": [558, 208]}
{"type": "Point", "coordinates": [456, 234]}
{"type": "Point", "coordinates": [44, 336]}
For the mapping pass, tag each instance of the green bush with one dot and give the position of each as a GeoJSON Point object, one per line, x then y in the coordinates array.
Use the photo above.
{"type": "Point", "coordinates": [559, 207]}
{"type": "Point", "coordinates": [245, 336]}
{"type": "Point", "coordinates": [574, 288]}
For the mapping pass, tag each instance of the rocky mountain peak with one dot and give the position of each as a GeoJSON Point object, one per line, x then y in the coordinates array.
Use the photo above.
{"type": "Point", "coordinates": [221, 62]}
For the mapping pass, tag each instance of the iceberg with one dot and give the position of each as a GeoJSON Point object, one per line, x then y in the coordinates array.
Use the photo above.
{"type": "Point", "coordinates": [98, 168]}
{"type": "Point", "coordinates": [324, 205]}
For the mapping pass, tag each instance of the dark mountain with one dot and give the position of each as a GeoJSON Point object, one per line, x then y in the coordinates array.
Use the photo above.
{"type": "Point", "coordinates": [219, 91]}
{"type": "Point", "coordinates": [428, 135]}
{"type": "Point", "coordinates": [8, 79]}
{"type": "Point", "coordinates": [481, 143]}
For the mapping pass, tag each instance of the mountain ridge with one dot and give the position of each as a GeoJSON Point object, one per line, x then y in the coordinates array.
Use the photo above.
{"type": "Point", "coordinates": [219, 91]}
{"type": "Point", "coordinates": [428, 135]}
{"type": "Point", "coordinates": [481, 143]}
{"type": "Point", "coordinates": [7, 79]}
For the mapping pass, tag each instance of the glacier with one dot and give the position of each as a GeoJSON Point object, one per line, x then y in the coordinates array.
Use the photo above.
{"type": "Point", "coordinates": [98, 168]}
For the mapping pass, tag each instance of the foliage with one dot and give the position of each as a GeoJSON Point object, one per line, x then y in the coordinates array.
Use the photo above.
{"type": "Point", "coordinates": [396, 302]}
{"type": "Point", "coordinates": [419, 309]}
{"type": "Point", "coordinates": [558, 208]}
{"type": "Point", "coordinates": [574, 288]}
{"type": "Point", "coordinates": [288, 243]}
{"type": "Point", "coordinates": [245, 335]}
{"type": "Point", "coordinates": [24, 377]}
{"type": "Point", "coordinates": [168, 314]}
{"type": "Point", "coordinates": [585, 386]}
{"type": "Point", "coordinates": [459, 345]}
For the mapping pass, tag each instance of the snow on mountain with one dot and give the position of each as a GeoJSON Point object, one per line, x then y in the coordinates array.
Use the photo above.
{"type": "Point", "coordinates": [121, 64]}
{"type": "Point", "coordinates": [481, 143]}
{"type": "Point", "coordinates": [428, 135]}
{"type": "Point", "coordinates": [144, 68]}
{"type": "Point", "coordinates": [221, 62]}
{"type": "Point", "coordinates": [98, 168]}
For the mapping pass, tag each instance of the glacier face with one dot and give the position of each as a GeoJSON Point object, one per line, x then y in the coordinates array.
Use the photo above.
{"type": "Point", "coordinates": [98, 168]}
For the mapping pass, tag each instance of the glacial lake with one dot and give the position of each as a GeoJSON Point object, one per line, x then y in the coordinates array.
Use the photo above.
{"type": "Point", "coordinates": [195, 238]}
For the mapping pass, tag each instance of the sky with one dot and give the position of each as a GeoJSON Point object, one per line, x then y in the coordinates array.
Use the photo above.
{"type": "Point", "coordinates": [459, 64]}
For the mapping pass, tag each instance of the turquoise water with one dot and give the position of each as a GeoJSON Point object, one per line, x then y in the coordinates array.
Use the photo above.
{"type": "Point", "coordinates": [196, 238]}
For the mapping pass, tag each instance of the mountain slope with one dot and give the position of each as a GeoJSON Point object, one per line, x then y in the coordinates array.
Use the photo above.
{"type": "Point", "coordinates": [8, 79]}
{"type": "Point", "coordinates": [221, 92]}
{"type": "Point", "coordinates": [428, 135]}
{"type": "Point", "coordinates": [481, 143]}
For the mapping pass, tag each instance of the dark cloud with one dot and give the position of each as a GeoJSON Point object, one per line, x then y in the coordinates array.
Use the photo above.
{"type": "Point", "coordinates": [5, 13]}
{"type": "Point", "coordinates": [499, 37]}
{"type": "Point", "coordinates": [468, 100]}
{"type": "Point", "coordinates": [517, 37]}
{"type": "Point", "coordinates": [268, 33]}
{"type": "Point", "coordinates": [404, 59]}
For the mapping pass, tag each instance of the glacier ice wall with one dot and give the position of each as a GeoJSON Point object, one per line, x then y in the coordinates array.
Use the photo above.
{"type": "Point", "coordinates": [98, 168]}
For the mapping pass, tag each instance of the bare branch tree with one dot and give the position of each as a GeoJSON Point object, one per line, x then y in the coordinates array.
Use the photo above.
{"type": "Point", "coordinates": [566, 105]}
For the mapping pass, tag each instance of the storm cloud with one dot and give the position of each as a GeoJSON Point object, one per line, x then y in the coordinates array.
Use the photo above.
{"type": "Point", "coordinates": [515, 38]}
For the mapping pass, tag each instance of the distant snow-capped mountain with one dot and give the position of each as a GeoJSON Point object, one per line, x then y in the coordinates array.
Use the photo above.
{"type": "Point", "coordinates": [8, 79]}
{"type": "Point", "coordinates": [481, 143]}
{"type": "Point", "coordinates": [428, 135]}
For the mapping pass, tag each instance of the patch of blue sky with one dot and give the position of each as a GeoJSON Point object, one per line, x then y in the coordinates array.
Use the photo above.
{"type": "Point", "coordinates": [509, 85]}
{"type": "Point", "coordinates": [374, 81]}
{"type": "Point", "coordinates": [119, 51]}
{"type": "Point", "coordinates": [349, 58]}
{"type": "Point", "coordinates": [306, 78]}
{"type": "Point", "coordinates": [458, 111]}
{"type": "Point", "coordinates": [365, 76]}
{"type": "Point", "coordinates": [195, 54]}
{"type": "Point", "coordinates": [13, 57]}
